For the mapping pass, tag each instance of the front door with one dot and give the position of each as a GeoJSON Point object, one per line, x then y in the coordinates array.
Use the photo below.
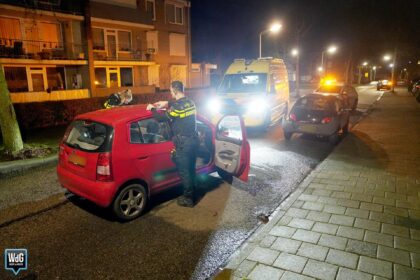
{"type": "Point", "coordinates": [232, 151]}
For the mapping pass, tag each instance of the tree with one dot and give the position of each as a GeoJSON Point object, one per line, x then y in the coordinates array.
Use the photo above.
{"type": "Point", "coordinates": [12, 138]}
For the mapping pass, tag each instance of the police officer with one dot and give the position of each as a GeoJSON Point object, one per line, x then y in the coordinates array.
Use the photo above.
{"type": "Point", "coordinates": [181, 114]}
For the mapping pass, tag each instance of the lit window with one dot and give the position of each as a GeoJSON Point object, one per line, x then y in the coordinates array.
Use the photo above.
{"type": "Point", "coordinates": [150, 8]}
{"type": "Point", "coordinates": [50, 35]}
{"type": "Point", "coordinates": [100, 77]}
{"type": "Point", "coordinates": [9, 29]}
{"type": "Point", "coordinates": [16, 78]}
{"type": "Point", "coordinates": [124, 41]}
{"type": "Point", "coordinates": [98, 39]}
{"type": "Point", "coordinates": [174, 14]}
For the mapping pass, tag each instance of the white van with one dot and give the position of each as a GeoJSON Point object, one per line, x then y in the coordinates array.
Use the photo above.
{"type": "Point", "coordinates": [258, 88]}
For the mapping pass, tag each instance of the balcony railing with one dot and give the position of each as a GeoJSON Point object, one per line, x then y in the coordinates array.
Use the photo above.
{"type": "Point", "coordinates": [31, 49]}
{"type": "Point", "coordinates": [113, 52]}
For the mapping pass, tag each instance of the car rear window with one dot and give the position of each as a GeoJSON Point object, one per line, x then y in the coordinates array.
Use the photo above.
{"type": "Point", "coordinates": [315, 103]}
{"type": "Point", "coordinates": [330, 89]}
{"type": "Point", "coordinates": [89, 136]}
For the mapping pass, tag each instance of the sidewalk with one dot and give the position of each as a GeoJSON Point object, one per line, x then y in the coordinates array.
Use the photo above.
{"type": "Point", "coordinates": [357, 215]}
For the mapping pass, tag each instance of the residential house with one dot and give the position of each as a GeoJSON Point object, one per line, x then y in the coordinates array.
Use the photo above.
{"type": "Point", "coordinates": [42, 50]}
{"type": "Point", "coordinates": [56, 50]}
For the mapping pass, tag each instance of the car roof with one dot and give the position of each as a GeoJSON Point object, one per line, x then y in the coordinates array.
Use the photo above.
{"type": "Point", "coordinates": [116, 115]}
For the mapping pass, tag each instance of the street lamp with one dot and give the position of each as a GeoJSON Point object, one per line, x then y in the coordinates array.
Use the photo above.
{"type": "Point", "coordinates": [365, 63]}
{"type": "Point", "coordinates": [391, 65]}
{"type": "Point", "coordinates": [274, 28]}
{"type": "Point", "coordinates": [295, 52]}
{"type": "Point", "coordinates": [387, 57]}
{"type": "Point", "coordinates": [331, 49]}
{"type": "Point", "coordinates": [320, 69]}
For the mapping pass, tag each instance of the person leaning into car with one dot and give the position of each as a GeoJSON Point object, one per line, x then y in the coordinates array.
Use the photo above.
{"type": "Point", "coordinates": [181, 114]}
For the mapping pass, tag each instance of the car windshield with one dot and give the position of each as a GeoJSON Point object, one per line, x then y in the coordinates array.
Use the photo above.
{"type": "Point", "coordinates": [244, 83]}
{"type": "Point", "coordinates": [315, 103]}
{"type": "Point", "coordinates": [330, 89]}
{"type": "Point", "coordinates": [86, 135]}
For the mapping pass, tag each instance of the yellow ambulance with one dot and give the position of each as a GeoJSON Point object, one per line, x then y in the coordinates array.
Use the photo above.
{"type": "Point", "coordinates": [258, 89]}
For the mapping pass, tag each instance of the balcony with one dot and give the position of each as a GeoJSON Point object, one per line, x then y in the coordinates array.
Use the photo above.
{"type": "Point", "coordinates": [121, 52]}
{"type": "Point", "coordinates": [40, 50]}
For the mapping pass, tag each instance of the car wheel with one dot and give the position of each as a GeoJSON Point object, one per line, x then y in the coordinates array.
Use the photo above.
{"type": "Point", "coordinates": [130, 202]}
{"type": "Point", "coordinates": [224, 175]}
{"type": "Point", "coordinates": [288, 135]}
{"type": "Point", "coordinates": [333, 138]}
{"type": "Point", "coordinates": [354, 108]}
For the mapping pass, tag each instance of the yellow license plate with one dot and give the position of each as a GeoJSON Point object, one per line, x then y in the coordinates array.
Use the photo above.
{"type": "Point", "coordinates": [308, 128]}
{"type": "Point", "coordinates": [77, 160]}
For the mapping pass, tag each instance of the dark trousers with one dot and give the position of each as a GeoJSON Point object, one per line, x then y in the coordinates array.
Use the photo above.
{"type": "Point", "coordinates": [185, 161]}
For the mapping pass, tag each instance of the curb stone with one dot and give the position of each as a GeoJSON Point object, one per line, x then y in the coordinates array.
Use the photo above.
{"type": "Point", "coordinates": [19, 166]}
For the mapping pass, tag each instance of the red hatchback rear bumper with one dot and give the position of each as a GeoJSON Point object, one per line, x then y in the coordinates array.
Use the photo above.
{"type": "Point", "coordinates": [101, 193]}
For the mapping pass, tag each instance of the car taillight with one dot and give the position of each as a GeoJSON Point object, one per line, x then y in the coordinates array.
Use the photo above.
{"type": "Point", "coordinates": [326, 120]}
{"type": "Point", "coordinates": [103, 168]}
{"type": "Point", "coordinates": [293, 117]}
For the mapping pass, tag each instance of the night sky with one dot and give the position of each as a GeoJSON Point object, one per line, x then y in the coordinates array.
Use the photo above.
{"type": "Point", "coordinates": [226, 29]}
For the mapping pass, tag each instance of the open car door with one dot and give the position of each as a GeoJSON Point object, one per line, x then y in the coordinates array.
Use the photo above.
{"type": "Point", "coordinates": [232, 152]}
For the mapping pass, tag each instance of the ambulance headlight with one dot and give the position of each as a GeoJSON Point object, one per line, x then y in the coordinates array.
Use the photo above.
{"type": "Point", "coordinates": [257, 106]}
{"type": "Point", "coordinates": [214, 106]}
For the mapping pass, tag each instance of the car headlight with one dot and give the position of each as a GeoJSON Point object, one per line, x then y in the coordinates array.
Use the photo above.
{"type": "Point", "coordinates": [214, 106]}
{"type": "Point", "coordinates": [257, 106]}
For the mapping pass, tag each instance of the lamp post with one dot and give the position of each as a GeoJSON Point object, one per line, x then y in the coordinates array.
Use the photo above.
{"type": "Point", "coordinates": [295, 53]}
{"type": "Point", "coordinates": [392, 65]}
{"type": "Point", "coordinates": [332, 49]}
{"type": "Point", "coordinates": [274, 28]}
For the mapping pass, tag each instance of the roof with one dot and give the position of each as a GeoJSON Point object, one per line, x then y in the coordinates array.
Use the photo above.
{"type": "Point", "coordinates": [117, 115]}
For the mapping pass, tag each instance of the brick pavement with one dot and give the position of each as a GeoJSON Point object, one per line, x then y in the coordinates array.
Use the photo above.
{"type": "Point", "coordinates": [357, 215]}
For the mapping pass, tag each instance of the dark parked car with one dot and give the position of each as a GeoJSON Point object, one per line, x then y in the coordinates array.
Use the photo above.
{"type": "Point", "coordinates": [411, 83]}
{"type": "Point", "coordinates": [318, 114]}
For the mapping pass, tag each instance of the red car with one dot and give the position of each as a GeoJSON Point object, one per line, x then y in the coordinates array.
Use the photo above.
{"type": "Point", "coordinates": [120, 157]}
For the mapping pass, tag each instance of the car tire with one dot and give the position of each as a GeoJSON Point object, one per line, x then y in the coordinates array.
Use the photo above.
{"type": "Point", "coordinates": [224, 175]}
{"type": "Point", "coordinates": [333, 138]}
{"type": "Point", "coordinates": [130, 202]}
{"type": "Point", "coordinates": [288, 135]}
{"type": "Point", "coordinates": [354, 108]}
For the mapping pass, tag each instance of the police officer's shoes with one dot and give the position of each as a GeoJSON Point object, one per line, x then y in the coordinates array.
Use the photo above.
{"type": "Point", "coordinates": [185, 201]}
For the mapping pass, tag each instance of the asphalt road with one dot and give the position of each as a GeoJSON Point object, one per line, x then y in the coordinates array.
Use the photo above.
{"type": "Point", "coordinates": [78, 240]}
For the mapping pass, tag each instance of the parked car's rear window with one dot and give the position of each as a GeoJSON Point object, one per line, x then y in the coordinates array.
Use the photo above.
{"type": "Point", "coordinates": [88, 136]}
{"type": "Point", "coordinates": [330, 89]}
{"type": "Point", "coordinates": [315, 103]}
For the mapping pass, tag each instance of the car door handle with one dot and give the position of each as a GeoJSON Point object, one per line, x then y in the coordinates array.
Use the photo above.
{"type": "Point", "coordinates": [143, 157]}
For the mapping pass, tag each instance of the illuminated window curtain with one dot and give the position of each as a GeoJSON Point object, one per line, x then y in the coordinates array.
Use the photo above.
{"type": "Point", "coordinates": [98, 39]}
{"type": "Point", "coordinates": [50, 35]}
{"type": "Point", "coordinates": [124, 40]}
{"type": "Point", "coordinates": [9, 29]}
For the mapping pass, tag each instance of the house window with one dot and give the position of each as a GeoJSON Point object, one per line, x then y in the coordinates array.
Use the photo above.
{"type": "Point", "coordinates": [177, 44]}
{"type": "Point", "coordinates": [50, 35]}
{"type": "Point", "coordinates": [55, 77]}
{"type": "Point", "coordinates": [17, 80]}
{"type": "Point", "coordinates": [37, 79]}
{"type": "Point", "coordinates": [124, 40]}
{"type": "Point", "coordinates": [113, 77]}
{"type": "Point", "coordinates": [9, 29]}
{"type": "Point", "coordinates": [152, 41]}
{"type": "Point", "coordinates": [150, 8]}
{"type": "Point", "coordinates": [126, 74]}
{"type": "Point", "coordinates": [174, 14]}
{"type": "Point", "coordinates": [98, 39]}
{"type": "Point", "coordinates": [100, 77]}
